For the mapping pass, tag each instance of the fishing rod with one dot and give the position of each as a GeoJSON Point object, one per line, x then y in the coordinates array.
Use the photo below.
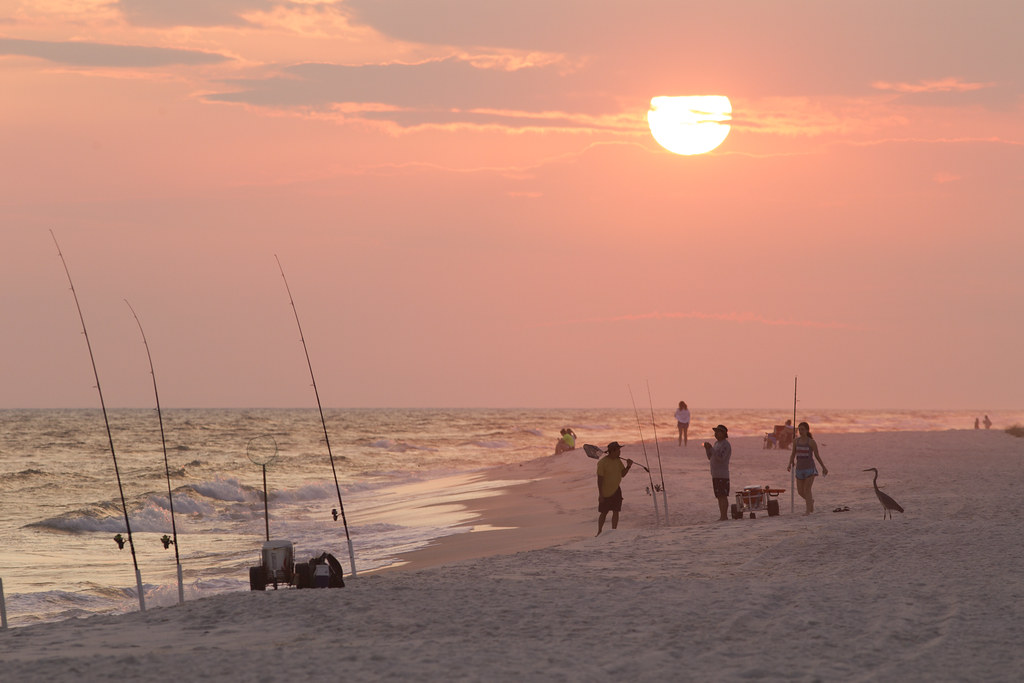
{"type": "Point", "coordinates": [654, 489]}
{"type": "Point", "coordinates": [654, 426]}
{"type": "Point", "coordinates": [327, 440]}
{"type": "Point", "coordinates": [596, 452]}
{"type": "Point", "coordinates": [110, 437]}
{"type": "Point", "coordinates": [792, 471]}
{"type": "Point", "coordinates": [167, 467]}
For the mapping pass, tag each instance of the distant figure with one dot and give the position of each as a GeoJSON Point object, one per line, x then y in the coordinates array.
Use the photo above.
{"type": "Point", "coordinates": [718, 455]}
{"type": "Point", "coordinates": [805, 450]}
{"type": "Point", "coordinates": [566, 442]}
{"type": "Point", "coordinates": [683, 422]}
{"type": "Point", "coordinates": [786, 434]}
{"type": "Point", "coordinates": [610, 472]}
{"type": "Point", "coordinates": [977, 424]}
{"type": "Point", "coordinates": [987, 423]}
{"type": "Point", "coordinates": [780, 437]}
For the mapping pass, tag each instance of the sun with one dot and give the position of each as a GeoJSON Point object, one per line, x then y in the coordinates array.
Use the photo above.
{"type": "Point", "coordinates": [693, 124]}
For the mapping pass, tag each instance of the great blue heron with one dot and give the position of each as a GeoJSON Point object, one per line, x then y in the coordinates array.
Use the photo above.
{"type": "Point", "coordinates": [888, 504]}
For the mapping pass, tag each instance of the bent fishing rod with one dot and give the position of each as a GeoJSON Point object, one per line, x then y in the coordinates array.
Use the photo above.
{"type": "Point", "coordinates": [110, 438]}
{"type": "Point", "coordinates": [323, 421]}
{"type": "Point", "coordinates": [661, 471]}
{"type": "Point", "coordinates": [167, 467]}
{"type": "Point", "coordinates": [654, 489]}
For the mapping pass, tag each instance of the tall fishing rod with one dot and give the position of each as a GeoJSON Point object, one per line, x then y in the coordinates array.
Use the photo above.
{"type": "Point", "coordinates": [654, 489]}
{"type": "Point", "coordinates": [654, 426]}
{"type": "Point", "coordinates": [110, 437]}
{"type": "Point", "coordinates": [167, 467]}
{"type": "Point", "coordinates": [327, 440]}
{"type": "Point", "coordinates": [792, 471]}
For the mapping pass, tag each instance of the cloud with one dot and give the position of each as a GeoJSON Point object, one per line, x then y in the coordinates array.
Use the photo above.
{"type": "Point", "coordinates": [445, 91]}
{"type": "Point", "coordinates": [106, 55]}
{"type": "Point", "coordinates": [944, 85]}
{"type": "Point", "coordinates": [762, 49]}
{"type": "Point", "coordinates": [506, 62]}
{"type": "Point", "coordinates": [694, 315]}
{"type": "Point", "coordinates": [165, 13]}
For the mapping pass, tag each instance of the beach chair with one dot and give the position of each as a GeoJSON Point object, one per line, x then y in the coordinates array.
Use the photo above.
{"type": "Point", "coordinates": [780, 437]}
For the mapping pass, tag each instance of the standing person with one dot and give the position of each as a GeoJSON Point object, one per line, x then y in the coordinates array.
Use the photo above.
{"type": "Point", "coordinates": [719, 454]}
{"type": "Point", "coordinates": [987, 422]}
{"type": "Point", "coordinates": [610, 472]}
{"type": "Point", "coordinates": [682, 422]}
{"type": "Point", "coordinates": [805, 450]}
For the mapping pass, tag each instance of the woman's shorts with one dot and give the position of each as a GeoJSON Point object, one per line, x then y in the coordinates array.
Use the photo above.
{"type": "Point", "coordinates": [806, 474]}
{"type": "Point", "coordinates": [612, 503]}
{"type": "Point", "coordinates": [721, 487]}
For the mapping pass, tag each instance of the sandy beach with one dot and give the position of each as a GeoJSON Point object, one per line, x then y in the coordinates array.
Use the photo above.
{"type": "Point", "coordinates": [529, 593]}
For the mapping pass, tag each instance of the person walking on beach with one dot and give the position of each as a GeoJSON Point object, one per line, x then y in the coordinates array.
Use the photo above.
{"type": "Point", "coordinates": [805, 450]}
{"type": "Point", "coordinates": [987, 422]}
{"type": "Point", "coordinates": [682, 422]}
{"type": "Point", "coordinates": [718, 455]}
{"type": "Point", "coordinates": [610, 472]}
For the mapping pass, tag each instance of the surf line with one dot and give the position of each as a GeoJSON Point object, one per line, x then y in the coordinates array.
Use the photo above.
{"type": "Point", "coordinates": [661, 472]}
{"type": "Point", "coordinates": [654, 489]}
{"type": "Point", "coordinates": [327, 439]}
{"type": "Point", "coordinates": [167, 467]}
{"type": "Point", "coordinates": [110, 438]}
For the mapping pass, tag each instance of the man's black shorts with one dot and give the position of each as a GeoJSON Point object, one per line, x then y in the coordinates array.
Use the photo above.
{"type": "Point", "coordinates": [721, 487]}
{"type": "Point", "coordinates": [613, 503]}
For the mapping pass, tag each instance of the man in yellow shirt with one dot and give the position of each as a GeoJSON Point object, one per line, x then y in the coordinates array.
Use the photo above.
{"type": "Point", "coordinates": [610, 472]}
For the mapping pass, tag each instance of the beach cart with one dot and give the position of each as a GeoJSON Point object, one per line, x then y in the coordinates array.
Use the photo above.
{"type": "Point", "coordinates": [278, 566]}
{"type": "Point", "coordinates": [754, 499]}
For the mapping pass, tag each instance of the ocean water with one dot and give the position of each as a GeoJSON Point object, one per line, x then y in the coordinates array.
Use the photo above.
{"type": "Point", "coordinates": [60, 505]}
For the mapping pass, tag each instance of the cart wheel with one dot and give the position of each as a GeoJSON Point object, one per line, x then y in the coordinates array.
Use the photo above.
{"type": "Point", "coordinates": [773, 508]}
{"type": "Point", "coordinates": [257, 579]}
{"type": "Point", "coordinates": [736, 514]}
{"type": "Point", "coordinates": [303, 575]}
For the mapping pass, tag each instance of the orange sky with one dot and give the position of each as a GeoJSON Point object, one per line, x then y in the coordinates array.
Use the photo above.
{"type": "Point", "coordinates": [471, 210]}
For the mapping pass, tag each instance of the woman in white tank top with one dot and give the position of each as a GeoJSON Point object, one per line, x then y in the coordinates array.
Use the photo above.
{"type": "Point", "coordinates": [682, 422]}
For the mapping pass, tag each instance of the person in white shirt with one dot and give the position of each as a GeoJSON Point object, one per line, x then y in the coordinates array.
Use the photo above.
{"type": "Point", "coordinates": [682, 422]}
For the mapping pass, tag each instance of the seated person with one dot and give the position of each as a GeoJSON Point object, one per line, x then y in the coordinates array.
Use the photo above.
{"type": "Point", "coordinates": [780, 437]}
{"type": "Point", "coordinates": [566, 442]}
{"type": "Point", "coordinates": [784, 434]}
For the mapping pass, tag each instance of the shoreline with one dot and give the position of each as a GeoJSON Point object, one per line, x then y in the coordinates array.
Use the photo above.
{"type": "Point", "coordinates": [543, 502]}
{"type": "Point", "coordinates": [922, 596]}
